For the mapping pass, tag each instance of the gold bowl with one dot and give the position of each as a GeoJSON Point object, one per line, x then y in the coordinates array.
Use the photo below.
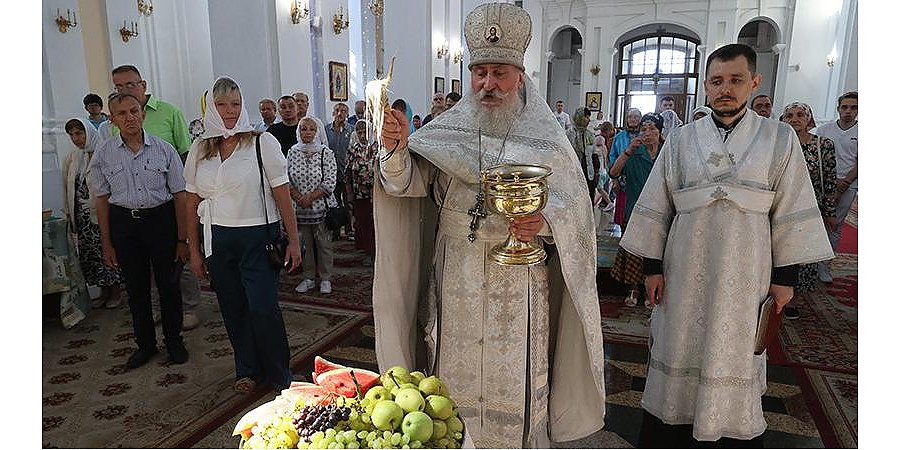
{"type": "Point", "coordinates": [516, 190]}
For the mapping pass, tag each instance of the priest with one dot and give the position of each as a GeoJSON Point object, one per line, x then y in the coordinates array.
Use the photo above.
{"type": "Point", "coordinates": [724, 219]}
{"type": "Point", "coordinates": [520, 347]}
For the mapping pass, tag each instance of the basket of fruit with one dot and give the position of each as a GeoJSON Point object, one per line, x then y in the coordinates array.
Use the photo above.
{"type": "Point", "coordinates": [356, 408]}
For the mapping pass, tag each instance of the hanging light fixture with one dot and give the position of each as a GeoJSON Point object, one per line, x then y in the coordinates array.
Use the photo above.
{"type": "Point", "coordinates": [299, 12]}
{"type": "Point", "coordinates": [145, 7]}
{"type": "Point", "coordinates": [377, 7]}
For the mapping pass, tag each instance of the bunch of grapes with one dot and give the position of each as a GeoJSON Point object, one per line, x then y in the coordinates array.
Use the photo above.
{"type": "Point", "coordinates": [315, 418]}
{"type": "Point", "coordinates": [275, 432]}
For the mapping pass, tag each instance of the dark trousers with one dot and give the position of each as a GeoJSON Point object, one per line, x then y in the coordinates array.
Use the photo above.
{"type": "Point", "coordinates": [247, 290]}
{"type": "Point", "coordinates": [142, 243]}
{"type": "Point", "coordinates": [657, 434]}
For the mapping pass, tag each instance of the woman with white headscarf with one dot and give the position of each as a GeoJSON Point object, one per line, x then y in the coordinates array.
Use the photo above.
{"type": "Point", "coordinates": [81, 212]}
{"type": "Point", "coordinates": [700, 112]}
{"type": "Point", "coordinates": [240, 195]}
{"type": "Point", "coordinates": [312, 170]}
{"type": "Point", "coordinates": [671, 121]}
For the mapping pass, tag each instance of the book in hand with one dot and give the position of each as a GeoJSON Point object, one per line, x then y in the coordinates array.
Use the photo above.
{"type": "Point", "coordinates": [767, 326]}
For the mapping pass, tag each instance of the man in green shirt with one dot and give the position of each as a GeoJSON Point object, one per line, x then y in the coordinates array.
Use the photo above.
{"type": "Point", "coordinates": [163, 120]}
{"type": "Point", "coordinates": [166, 122]}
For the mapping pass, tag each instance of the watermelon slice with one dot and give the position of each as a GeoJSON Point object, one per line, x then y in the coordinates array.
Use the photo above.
{"type": "Point", "coordinates": [323, 365]}
{"type": "Point", "coordinates": [340, 382]}
{"type": "Point", "coordinates": [310, 393]}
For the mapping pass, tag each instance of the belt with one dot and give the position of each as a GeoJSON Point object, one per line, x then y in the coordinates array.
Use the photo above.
{"type": "Point", "coordinates": [141, 213]}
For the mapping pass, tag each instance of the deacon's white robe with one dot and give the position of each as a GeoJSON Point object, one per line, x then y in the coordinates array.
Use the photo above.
{"type": "Point", "coordinates": [489, 329]}
{"type": "Point", "coordinates": [720, 215]}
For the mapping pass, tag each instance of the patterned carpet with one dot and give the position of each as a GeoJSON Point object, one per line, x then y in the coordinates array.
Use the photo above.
{"type": "Point", "coordinates": [351, 283]}
{"type": "Point", "coordinates": [89, 400]}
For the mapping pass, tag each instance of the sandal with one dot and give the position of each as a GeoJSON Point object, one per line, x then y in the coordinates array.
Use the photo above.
{"type": "Point", "coordinates": [244, 385]}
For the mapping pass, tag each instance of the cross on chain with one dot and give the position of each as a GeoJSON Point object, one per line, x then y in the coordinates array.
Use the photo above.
{"type": "Point", "coordinates": [477, 212]}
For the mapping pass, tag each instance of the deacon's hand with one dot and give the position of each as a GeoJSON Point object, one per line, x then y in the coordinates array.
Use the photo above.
{"type": "Point", "coordinates": [526, 228]}
{"type": "Point", "coordinates": [655, 284]}
{"type": "Point", "coordinates": [782, 295]}
{"type": "Point", "coordinates": [395, 130]}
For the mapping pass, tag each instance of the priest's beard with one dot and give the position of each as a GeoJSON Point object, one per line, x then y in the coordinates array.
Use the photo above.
{"type": "Point", "coordinates": [730, 112]}
{"type": "Point", "coordinates": [498, 119]}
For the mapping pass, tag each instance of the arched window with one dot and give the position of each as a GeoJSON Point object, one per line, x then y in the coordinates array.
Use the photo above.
{"type": "Point", "coordinates": [652, 67]}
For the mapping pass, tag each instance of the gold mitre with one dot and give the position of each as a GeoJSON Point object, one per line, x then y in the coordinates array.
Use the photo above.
{"type": "Point", "coordinates": [498, 33]}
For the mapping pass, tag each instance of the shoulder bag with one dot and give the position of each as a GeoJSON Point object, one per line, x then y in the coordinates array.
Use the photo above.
{"type": "Point", "coordinates": [335, 217]}
{"type": "Point", "coordinates": [277, 245]}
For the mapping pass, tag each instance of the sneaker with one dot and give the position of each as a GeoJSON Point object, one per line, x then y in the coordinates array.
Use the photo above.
{"type": "Point", "coordinates": [178, 355]}
{"type": "Point", "coordinates": [631, 300]}
{"type": "Point", "coordinates": [190, 321]}
{"type": "Point", "coordinates": [139, 358]}
{"type": "Point", "coordinates": [325, 287]}
{"type": "Point", "coordinates": [791, 313]}
{"type": "Point", "coordinates": [305, 286]}
{"type": "Point", "coordinates": [825, 273]}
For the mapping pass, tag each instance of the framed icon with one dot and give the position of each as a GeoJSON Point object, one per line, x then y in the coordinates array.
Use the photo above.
{"type": "Point", "coordinates": [337, 81]}
{"type": "Point", "coordinates": [438, 84]}
{"type": "Point", "coordinates": [456, 86]}
{"type": "Point", "coordinates": [593, 101]}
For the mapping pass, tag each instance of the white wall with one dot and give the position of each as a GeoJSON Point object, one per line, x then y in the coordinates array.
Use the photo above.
{"type": "Point", "coordinates": [408, 37]}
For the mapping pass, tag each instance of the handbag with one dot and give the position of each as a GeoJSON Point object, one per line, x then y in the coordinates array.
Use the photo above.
{"type": "Point", "coordinates": [335, 217]}
{"type": "Point", "coordinates": [277, 245]}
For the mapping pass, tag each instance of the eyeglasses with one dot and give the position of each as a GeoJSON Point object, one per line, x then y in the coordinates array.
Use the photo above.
{"type": "Point", "coordinates": [128, 85]}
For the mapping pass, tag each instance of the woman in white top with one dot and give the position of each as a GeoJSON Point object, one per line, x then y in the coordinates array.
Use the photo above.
{"type": "Point", "coordinates": [239, 218]}
{"type": "Point", "coordinates": [81, 212]}
{"type": "Point", "coordinates": [313, 173]}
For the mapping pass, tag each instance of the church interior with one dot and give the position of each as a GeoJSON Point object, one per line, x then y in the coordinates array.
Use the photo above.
{"type": "Point", "coordinates": [605, 55]}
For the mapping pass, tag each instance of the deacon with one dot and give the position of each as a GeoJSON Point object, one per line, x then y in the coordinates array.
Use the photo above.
{"type": "Point", "coordinates": [724, 219]}
{"type": "Point", "coordinates": [520, 347]}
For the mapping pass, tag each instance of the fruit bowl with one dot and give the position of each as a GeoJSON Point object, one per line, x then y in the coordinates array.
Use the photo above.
{"type": "Point", "coordinates": [355, 408]}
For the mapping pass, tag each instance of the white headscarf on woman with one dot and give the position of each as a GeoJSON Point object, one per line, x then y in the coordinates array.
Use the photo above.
{"type": "Point", "coordinates": [78, 162]}
{"type": "Point", "coordinates": [700, 109]}
{"type": "Point", "coordinates": [671, 121]}
{"type": "Point", "coordinates": [214, 126]}
{"type": "Point", "coordinates": [319, 140]}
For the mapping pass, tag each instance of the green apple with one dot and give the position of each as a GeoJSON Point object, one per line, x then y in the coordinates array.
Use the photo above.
{"type": "Point", "coordinates": [431, 386]}
{"type": "Point", "coordinates": [410, 400]}
{"type": "Point", "coordinates": [418, 426]}
{"type": "Point", "coordinates": [455, 425]}
{"type": "Point", "coordinates": [387, 415]}
{"type": "Point", "coordinates": [397, 389]}
{"type": "Point", "coordinates": [440, 429]}
{"type": "Point", "coordinates": [417, 377]}
{"type": "Point", "coordinates": [438, 407]}
{"type": "Point", "coordinates": [379, 393]}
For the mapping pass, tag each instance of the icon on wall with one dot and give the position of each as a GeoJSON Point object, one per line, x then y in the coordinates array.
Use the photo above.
{"type": "Point", "coordinates": [455, 86]}
{"type": "Point", "coordinates": [593, 101]}
{"type": "Point", "coordinates": [337, 80]}
{"type": "Point", "coordinates": [439, 84]}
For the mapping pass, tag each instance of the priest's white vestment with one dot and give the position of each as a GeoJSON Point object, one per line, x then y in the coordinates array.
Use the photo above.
{"type": "Point", "coordinates": [720, 215]}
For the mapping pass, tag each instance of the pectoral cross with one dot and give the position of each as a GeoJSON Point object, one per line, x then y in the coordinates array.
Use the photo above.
{"type": "Point", "coordinates": [477, 212]}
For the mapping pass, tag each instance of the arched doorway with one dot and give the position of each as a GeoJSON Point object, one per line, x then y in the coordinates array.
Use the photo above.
{"type": "Point", "coordinates": [654, 64]}
{"type": "Point", "coordinates": [762, 36]}
{"type": "Point", "coordinates": [564, 69]}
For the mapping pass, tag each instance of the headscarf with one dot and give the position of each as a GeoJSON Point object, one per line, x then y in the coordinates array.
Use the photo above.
{"type": "Point", "coordinates": [654, 118]}
{"type": "Point", "coordinates": [580, 114]}
{"type": "Point", "coordinates": [583, 140]}
{"type": "Point", "coordinates": [800, 105]}
{"type": "Point", "coordinates": [214, 126]}
{"type": "Point", "coordinates": [354, 138]}
{"type": "Point", "coordinates": [670, 122]}
{"type": "Point", "coordinates": [630, 111]}
{"type": "Point", "coordinates": [409, 116]}
{"type": "Point", "coordinates": [704, 109]}
{"type": "Point", "coordinates": [91, 142]}
{"type": "Point", "coordinates": [319, 141]}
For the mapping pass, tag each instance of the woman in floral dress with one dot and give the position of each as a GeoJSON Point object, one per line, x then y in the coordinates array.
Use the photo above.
{"type": "Point", "coordinates": [360, 180]}
{"type": "Point", "coordinates": [81, 213]}
{"type": "Point", "coordinates": [820, 161]}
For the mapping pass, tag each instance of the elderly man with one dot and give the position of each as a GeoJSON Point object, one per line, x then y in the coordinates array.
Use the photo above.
{"type": "Point", "coordinates": [360, 109]}
{"type": "Point", "coordinates": [166, 122]}
{"type": "Point", "coordinates": [725, 217]}
{"type": "Point", "coordinates": [762, 105]}
{"type": "Point", "coordinates": [267, 113]}
{"type": "Point", "coordinates": [437, 101]}
{"type": "Point", "coordinates": [302, 104]}
{"type": "Point", "coordinates": [140, 205]}
{"type": "Point", "coordinates": [520, 347]}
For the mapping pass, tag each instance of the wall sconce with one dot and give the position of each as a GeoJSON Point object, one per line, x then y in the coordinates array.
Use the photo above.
{"type": "Point", "coordinates": [145, 7]}
{"type": "Point", "coordinates": [340, 24]}
{"type": "Point", "coordinates": [298, 12]}
{"type": "Point", "coordinates": [126, 33]}
{"type": "Point", "coordinates": [595, 69]}
{"type": "Point", "coordinates": [457, 56]}
{"type": "Point", "coordinates": [443, 50]}
{"type": "Point", "coordinates": [68, 21]}
{"type": "Point", "coordinates": [377, 7]}
{"type": "Point", "coordinates": [831, 59]}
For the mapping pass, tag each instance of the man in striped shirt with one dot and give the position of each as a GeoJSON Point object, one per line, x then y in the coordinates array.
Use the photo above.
{"type": "Point", "coordinates": [139, 180]}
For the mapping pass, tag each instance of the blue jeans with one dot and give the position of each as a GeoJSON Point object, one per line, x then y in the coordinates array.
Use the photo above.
{"type": "Point", "coordinates": [247, 290]}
